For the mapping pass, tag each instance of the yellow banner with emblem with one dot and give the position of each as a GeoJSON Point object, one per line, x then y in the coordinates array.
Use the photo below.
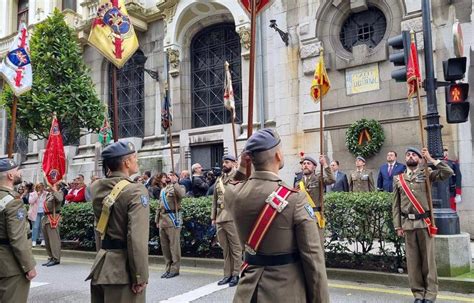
{"type": "Point", "coordinates": [319, 216]}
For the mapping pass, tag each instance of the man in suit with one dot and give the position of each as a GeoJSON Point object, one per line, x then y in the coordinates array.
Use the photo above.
{"type": "Point", "coordinates": [341, 183]}
{"type": "Point", "coordinates": [388, 170]}
{"type": "Point", "coordinates": [454, 181]}
{"type": "Point", "coordinates": [361, 179]}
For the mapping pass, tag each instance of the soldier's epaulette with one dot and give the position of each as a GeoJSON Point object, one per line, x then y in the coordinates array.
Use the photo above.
{"type": "Point", "coordinates": [235, 182]}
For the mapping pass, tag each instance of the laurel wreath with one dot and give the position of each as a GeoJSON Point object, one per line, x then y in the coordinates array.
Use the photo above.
{"type": "Point", "coordinates": [365, 137]}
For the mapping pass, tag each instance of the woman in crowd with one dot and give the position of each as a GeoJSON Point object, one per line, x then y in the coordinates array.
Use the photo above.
{"type": "Point", "coordinates": [36, 211]}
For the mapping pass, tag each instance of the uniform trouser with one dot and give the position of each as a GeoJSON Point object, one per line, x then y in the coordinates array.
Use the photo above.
{"type": "Point", "coordinates": [229, 241]}
{"type": "Point", "coordinates": [14, 289]}
{"type": "Point", "coordinates": [115, 293]}
{"type": "Point", "coordinates": [321, 236]}
{"type": "Point", "coordinates": [52, 241]}
{"type": "Point", "coordinates": [421, 265]}
{"type": "Point", "coordinates": [171, 247]}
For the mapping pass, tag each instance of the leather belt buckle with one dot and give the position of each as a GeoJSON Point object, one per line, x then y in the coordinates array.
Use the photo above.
{"type": "Point", "coordinates": [279, 208]}
{"type": "Point", "coordinates": [411, 216]}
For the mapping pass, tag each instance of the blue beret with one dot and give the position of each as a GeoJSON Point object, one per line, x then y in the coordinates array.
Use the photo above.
{"type": "Point", "coordinates": [7, 164]}
{"type": "Point", "coordinates": [361, 159]}
{"type": "Point", "coordinates": [262, 140]}
{"type": "Point", "coordinates": [414, 150]}
{"type": "Point", "coordinates": [229, 157]}
{"type": "Point", "coordinates": [310, 159]}
{"type": "Point", "coordinates": [118, 149]}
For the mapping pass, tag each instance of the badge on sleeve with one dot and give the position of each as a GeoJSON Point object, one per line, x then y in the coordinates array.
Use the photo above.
{"type": "Point", "coordinates": [20, 214]}
{"type": "Point", "coordinates": [310, 210]}
{"type": "Point", "coordinates": [144, 200]}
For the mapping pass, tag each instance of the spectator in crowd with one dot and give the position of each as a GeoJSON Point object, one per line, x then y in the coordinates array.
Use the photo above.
{"type": "Point", "coordinates": [199, 183]}
{"type": "Point", "coordinates": [28, 189]}
{"type": "Point", "coordinates": [210, 180]}
{"type": "Point", "coordinates": [36, 212]}
{"type": "Point", "coordinates": [154, 189]}
{"type": "Point", "coordinates": [138, 179]}
{"type": "Point", "coordinates": [454, 180]}
{"type": "Point", "coordinates": [361, 179]}
{"type": "Point", "coordinates": [388, 170]}
{"type": "Point", "coordinates": [78, 195]}
{"type": "Point", "coordinates": [185, 180]}
{"type": "Point", "coordinates": [147, 178]}
{"type": "Point", "coordinates": [341, 183]}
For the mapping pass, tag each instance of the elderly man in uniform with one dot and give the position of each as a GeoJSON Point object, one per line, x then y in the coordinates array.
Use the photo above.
{"type": "Point", "coordinates": [169, 220]}
{"type": "Point", "coordinates": [411, 219]}
{"type": "Point", "coordinates": [121, 209]}
{"type": "Point", "coordinates": [226, 233]}
{"type": "Point", "coordinates": [361, 180]}
{"type": "Point", "coordinates": [310, 185]}
{"type": "Point", "coordinates": [284, 260]}
{"type": "Point", "coordinates": [50, 225]}
{"type": "Point", "coordinates": [16, 258]}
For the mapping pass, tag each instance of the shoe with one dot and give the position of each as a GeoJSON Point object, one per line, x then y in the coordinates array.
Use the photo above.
{"type": "Point", "coordinates": [165, 275]}
{"type": "Point", "coordinates": [33, 243]}
{"type": "Point", "coordinates": [47, 262]}
{"type": "Point", "coordinates": [172, 275]}
{"type": "Point", "coordinates": [224, 280]}
{"type": "Point", "coordinates": [234, 281]}
{"type": "Point", "coordinates": [419, 301]}
{"type": "Point", "coordinates": [43, 244]}
{"type": "Point", "coordinates": [52, 263]}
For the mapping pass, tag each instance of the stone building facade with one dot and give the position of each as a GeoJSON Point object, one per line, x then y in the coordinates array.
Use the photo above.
{"type": "Point", "coordinates": [196, 37]}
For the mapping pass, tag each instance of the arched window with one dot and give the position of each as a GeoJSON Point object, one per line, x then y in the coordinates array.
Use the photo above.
{"type": "Point", "coordinates": [130, 96]}
{"type": "Point", "coordinates": [210, 48]}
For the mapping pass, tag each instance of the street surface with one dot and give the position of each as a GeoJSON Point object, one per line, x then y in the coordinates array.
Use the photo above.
{"type": "Point", "coordinates": [65, 283]}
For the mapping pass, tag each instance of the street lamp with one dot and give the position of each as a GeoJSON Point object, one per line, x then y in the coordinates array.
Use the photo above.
{"type": "Point", "coordinates": [140, 59]}
{"type": "Point", "coordinates": [283, 35]}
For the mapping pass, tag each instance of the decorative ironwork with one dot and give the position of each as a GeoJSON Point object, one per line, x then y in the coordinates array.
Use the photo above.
{"type": "Point", "coordinates": [130, 93]}
{"type": "Point", "coordinates": [367, 27]}
{"type": "Point", "coordinates": [210, 48]}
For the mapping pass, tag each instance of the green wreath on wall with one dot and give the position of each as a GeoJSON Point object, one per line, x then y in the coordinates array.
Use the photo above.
{"type": "Point", "coordinates": [365, 137]}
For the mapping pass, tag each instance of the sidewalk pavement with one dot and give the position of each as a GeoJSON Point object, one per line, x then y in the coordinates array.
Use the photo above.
{"type": "Point", "coordinates": [458, 285]}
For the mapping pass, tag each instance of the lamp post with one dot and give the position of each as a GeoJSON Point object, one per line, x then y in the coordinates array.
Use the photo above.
{"type": "Point", "coordinates": [140, 59]}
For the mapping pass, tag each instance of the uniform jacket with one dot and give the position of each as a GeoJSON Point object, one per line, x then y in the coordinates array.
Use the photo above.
{"type": "Point", "coordinates": [361, 181]}
{"type": "Point", "coordinates": [219, 211]}
{"type": "Point", "coordinates": [416, 182]}
{"type": "Point", "coordinates": [311, 184]}
{"type": "Point", "coordinates": [455, 180]}
{"type": "Point", "coordinates": [293, 230]}
{"type": "Point", "coordinates": [341, 183]}
{"type": "Point", "coordinates": [53, 199]}
{"type": "Point", "coordinates": [172, 191]}
{"type": "Point", "coordinates": [384, 180]}
{"type": "Point", "coordinates": [129, 222]}
{"type": "Point", "coordinates": [17, 257]}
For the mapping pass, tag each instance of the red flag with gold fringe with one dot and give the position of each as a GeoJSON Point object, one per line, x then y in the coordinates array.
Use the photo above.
{"type": "Point", "coordinates": [54, 159]}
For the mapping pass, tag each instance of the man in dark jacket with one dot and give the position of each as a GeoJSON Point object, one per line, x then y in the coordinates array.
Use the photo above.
{"type": "Point", "coordinates": [200, 185]}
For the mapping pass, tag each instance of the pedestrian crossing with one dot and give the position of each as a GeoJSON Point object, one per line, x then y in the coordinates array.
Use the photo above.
{"type": "Point", "coordinates": [196, 293]}
{"type": "Point", "coordinates": [37, 284]}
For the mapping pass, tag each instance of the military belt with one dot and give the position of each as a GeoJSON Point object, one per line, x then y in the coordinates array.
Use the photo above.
{"type": "Point", "coordinates": [271, 260]}
{"type": "Point", "coordinates": [4, 242]}
{"type": "Point", "coordinates": [416, 216]}
{"type": "Point", "coordinates": [169, 211]}
{"type": "Point", "coordinates": [50, 213]}
{"type": "Point", "coordinates": [317, 208]}
{"type": "Point", "coordinates": [113, 244]}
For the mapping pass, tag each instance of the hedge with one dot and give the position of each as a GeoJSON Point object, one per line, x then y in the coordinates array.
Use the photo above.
{"type": "Point", "coordinates": [353, 219]}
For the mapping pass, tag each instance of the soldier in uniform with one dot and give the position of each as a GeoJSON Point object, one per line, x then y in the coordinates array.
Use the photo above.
{"type": "Point", "coordinates": [50, 225]}
{"type": "Point", "coordinates": [121, 209]}
{"type": "Point", "coordinates": [361, 180]}
{"type": "Point", "coordinates": [16, 258]}
{"type": "Point", "coordinates": [310, 185]}
{"type": "Point", "coordinates": [169, 220]}
{"type": "Point", "coordinates": [226, 232]}
{"type": "Point", "coordinates": [409, 222]}
{"type": "Point", "coordinates": [287, 264]}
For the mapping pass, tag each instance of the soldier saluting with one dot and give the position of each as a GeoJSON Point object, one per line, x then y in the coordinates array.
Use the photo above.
{"type": "Point", "coordinates": [16, 258]}
{"type": "Point", "coordinates": [284, 260]}
{"type": "Point", "coordinates": [411, 218]}
{"type": "Point", "coordinates": [121, 208]}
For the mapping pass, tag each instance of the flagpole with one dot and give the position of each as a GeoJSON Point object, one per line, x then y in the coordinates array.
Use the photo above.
{"type": "Point", "coordinates": [233, 131]}
{"type": "Point", "coordinates": [11, 140]}
{"type": "Point", "coordinates": [114, 96]}
{"type": "Point", "coordinates": [252, 73]}
{"type": "Point", "coordinates": [321, 148]}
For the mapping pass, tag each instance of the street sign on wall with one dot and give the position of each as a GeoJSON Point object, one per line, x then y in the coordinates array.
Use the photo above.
{"type": "Point", "coordinates": [247, 5]}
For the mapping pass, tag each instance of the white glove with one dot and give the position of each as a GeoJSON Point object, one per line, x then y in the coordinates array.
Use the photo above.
{"type": "Point", "coordinates": [457, 199]}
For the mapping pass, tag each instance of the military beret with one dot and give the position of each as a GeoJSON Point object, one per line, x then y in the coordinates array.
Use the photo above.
{"type": "Point", "coordinates": [310, 159]}
{"type": "Point", "coordinates": [414, 150]}
{"type": "Point", "coordinates": [7, 164]}
{"type": "Point", "coordinates": [361, 159]}
{"type": "Point", "coordinates": [229, 157]}
{"type": "Point", "coordinates": [118, 149]}
{"type": "Point", "coordinates": [262, 140]}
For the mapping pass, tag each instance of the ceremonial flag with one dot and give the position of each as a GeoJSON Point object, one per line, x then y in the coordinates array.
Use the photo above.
{"type": "Point", "coordinates": [229, 102]}
{"type": "Point", "coordinates": [16, 66]}
{"type": "Point", "coordinates": [166, 117]}
{"type": "Point", "coordinates": [112, 32]}
{"type": "Point", "coordinates": [413, 70]}
{"type": "Point", "coordinates": [320, 84]}
{"type": "Point", "coordinates": [54, 160]}
{"type": "Point", "coordinates": [105, 132]}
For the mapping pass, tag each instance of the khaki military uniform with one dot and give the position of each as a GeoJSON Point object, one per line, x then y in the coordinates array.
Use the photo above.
{"type": "Point", "coordinates": [51, 235]}
{"type": "Point", "coordinates": [361, 181]}
{"type": "Point", "coordinates": [419, 246]}
{"type": "Point", "coordinates": [169, 234]}
{"type": "Point", "coordinates": [226, 232]}
{"type": "Point", "coordinates": [16, 257]}
{"type": "Point", "coordinates": [311, 184]}
{"type": "Point", "coordinates": [292, 232]}
{"type": "Point", "coordinates": [123, 257]}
